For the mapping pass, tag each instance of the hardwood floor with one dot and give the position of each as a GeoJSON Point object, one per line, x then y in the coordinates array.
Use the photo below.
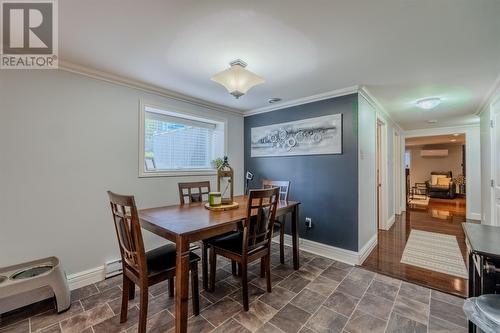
{"type": "Point", "coordinates": [440, 216]}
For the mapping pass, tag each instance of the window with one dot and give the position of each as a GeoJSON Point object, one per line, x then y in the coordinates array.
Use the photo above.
{"type": "Point", "coordinates": [177, 143]}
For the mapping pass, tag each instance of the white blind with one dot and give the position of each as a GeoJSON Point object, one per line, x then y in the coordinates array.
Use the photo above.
{"type": "Point", "coordinates": [175, 143]}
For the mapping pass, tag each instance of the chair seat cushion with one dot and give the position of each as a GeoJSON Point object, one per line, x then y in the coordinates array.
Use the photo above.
{"type": "Point", "coordinates": [163, 258]}
{"type": "Point", "coordinates": [213, 239]}
{"type": "Point", "coordinates": [232, 242]}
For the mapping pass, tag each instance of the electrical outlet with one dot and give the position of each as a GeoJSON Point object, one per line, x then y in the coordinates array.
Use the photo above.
{"type": "Point", "coordinates": [309, 223]}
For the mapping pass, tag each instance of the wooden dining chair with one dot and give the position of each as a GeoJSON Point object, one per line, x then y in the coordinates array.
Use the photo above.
{"type": "Point", "coordinates": [186, 191]}
{"type": "Point", "coordinates": [142, 268]}
{"type": "Point", "coordinates": [194, 192]}
{"type": "Point", "coordinates": [284, 189]}
{"type": "Point", "coordinates": [253, 242]}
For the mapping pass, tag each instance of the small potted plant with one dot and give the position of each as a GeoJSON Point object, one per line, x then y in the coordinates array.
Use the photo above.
{"type": "Point", "coordinates": [217, 163]}
{"type": "Point", "coordinates": [460, 181]}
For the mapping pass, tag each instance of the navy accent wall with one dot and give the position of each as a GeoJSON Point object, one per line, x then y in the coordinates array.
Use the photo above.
{"type": "Point", "coordinates": [326, 185]}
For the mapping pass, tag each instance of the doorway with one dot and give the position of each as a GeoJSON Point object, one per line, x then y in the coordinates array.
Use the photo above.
{"type": "Point", "coordinates": [380, 173]}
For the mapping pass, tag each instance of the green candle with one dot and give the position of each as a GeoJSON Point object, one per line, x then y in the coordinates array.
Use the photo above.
{"type": "Point", "coordinates": [214, 199]}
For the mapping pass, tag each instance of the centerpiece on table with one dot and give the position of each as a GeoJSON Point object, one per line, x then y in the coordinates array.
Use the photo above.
{"type": "Point", "coordinates": [223, 198]}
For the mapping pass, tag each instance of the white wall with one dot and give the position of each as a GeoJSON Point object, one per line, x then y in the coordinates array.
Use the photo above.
{"type": "Point", "coordinates": [66, 139]}
{"type": "Point", "coordinates": [421, 167]}
{"type": "Point", "coordinates": [367, 187]}
{"type": "Point", "coordinates": [473, 163]}
{"type": "Point", "coordinates": [368, 113]}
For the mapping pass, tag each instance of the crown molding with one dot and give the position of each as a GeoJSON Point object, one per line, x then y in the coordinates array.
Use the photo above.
{"type": "Point", "coordinates": [492, 95]}
{"type": "Point", "coordinates": [142, 86]}
{"type": "Point", "coordinates": [370, 98]}
{"type": "Point", "coordinates": [303, 100]}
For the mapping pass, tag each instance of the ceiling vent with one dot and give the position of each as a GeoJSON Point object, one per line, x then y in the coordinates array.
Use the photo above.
{"type": "Point", "coordinates": [434, 153]}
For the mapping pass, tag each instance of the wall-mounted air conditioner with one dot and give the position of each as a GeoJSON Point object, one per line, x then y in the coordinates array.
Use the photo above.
{"type": "Point", "coordinates": [434, 153]}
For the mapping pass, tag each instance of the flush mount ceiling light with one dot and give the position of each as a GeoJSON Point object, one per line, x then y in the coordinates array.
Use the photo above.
{"type": "Point", "coordinates": [236, 79]}
{"type": "Point", "coordinates": [432, 121]}
{"type": "Point", "coordinates": [428, 103]}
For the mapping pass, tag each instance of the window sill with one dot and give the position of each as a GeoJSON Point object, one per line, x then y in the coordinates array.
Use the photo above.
{"type": "Point", "coordinates": [178, 173]}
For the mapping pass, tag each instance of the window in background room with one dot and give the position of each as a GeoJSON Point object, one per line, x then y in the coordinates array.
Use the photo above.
{"type": "Point", "coordinates": [407, 159]}
{"type": "Point", "coordinates": [178, 144]}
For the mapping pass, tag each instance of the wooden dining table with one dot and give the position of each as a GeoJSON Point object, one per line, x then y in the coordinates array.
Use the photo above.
{"type": "Point", "coordinates": [184, 224]}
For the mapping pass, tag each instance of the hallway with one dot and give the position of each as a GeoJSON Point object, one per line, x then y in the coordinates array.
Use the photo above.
{"type": "Point", "coordinates": [440, 216]}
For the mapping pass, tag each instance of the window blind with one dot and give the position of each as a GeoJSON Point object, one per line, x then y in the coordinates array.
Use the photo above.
{"type": "Point", "coordinates": [176, 143]}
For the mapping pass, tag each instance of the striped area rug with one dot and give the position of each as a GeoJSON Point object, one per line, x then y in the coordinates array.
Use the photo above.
{"type": "Point", "coordinates": [436, 252]}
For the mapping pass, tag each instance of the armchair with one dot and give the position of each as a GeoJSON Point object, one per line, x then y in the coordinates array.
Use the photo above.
{"type": "Point", "coordinates": [437, 190]}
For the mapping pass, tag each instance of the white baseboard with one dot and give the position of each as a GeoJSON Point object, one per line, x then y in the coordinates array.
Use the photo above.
{"type": "Point", "coordinates": [332, 252]}
{"type": "Point", "coordinates": [87, 277]}
{"type": "Point", "coordinates": [94, 275]}
{"type": "Point", "coordinates": [367, 248]}
{"type": "Point", "coordinates": [390, 222]}
{"type": "Point", "coordinates": [475, 216]}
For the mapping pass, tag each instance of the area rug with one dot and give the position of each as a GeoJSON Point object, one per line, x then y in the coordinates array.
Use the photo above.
{"type": "Point", "coordinates": [436, 252]}
{"type": "Point", "coordinates": [419, 200]}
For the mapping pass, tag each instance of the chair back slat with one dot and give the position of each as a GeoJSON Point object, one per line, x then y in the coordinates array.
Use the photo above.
{"type": "Point", "coordinates": [284, 187]}
{"type": "Point", "coordinates": [187, 195]}
{"type": "Point", "coordinates": [258, 229]}
{"type": "Point", "coordinates": [128, 231]}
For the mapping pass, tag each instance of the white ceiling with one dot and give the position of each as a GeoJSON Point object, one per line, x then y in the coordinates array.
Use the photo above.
{"type": "Point", "coordinates": [401, 50]}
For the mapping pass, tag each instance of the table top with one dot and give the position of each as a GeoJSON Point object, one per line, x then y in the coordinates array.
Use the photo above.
{"type": "Point", "coordinates": [483, 239]}
{"type": "Point", "coordinates": [194, 217]}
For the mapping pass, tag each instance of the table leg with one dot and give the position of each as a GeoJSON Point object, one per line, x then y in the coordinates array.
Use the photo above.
{"type": "Point", "coordinates": [295, 236]}
{"type": "Point", "coordinates": [181, 285]}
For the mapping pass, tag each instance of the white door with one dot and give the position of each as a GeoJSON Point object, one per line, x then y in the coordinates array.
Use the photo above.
{"type": "Point", "coordinates": [495, 156]}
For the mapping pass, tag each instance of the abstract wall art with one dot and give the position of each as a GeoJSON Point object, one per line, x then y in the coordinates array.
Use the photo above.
{"type": "Point", "coordinates": [313, 136]}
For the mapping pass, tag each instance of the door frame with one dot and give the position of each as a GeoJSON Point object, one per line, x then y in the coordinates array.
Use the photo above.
{"type": "Point", "coordinates": [471, 135]}
{"type": "Point", "coordinates": [381, 156]}
{"type": "Point", "coordinates": [396, 160]}
{"type": "Point", "coordinates": [495, 108]}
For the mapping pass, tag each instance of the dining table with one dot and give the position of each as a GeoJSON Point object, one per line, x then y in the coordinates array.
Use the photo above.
{"type": "Point", "coordinates": [188, 223]}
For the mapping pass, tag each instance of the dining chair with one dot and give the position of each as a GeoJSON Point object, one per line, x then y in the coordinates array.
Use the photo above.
{"type": "Point", "coordinates": [284, 189]}
{"type": "Point", "coordinates": [253, 242]}
{"type": "Point", "coordinates": [194, 192]}
{"type": "Point", "coordinates": [142, 268]}
{"type": "Point", "coordinates": [186, 191]}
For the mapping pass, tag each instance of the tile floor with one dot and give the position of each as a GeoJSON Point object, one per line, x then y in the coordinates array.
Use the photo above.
{"type": "Point", "coordinates": [323, 296]}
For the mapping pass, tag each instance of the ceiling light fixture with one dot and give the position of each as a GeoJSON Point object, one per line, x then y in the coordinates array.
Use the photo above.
{"type": "Point", "coordinates": [428, 103]}
{"type": "Point", "coordinates": [456, 134]}
{"type": "Point", "coordinates": [432, 121]}
{"type": "Point", "coordinates": [236, 79]}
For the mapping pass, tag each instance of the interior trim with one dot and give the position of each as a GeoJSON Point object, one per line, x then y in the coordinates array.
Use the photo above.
{"type": "Point", "coordinates": [145, 87]}
{"type": "Point", "coordinates": [368, 96]}
{"type": "Point", "coordinates": [332, 252]}
{"type": "Point", "coordinates": [303, 100]}
{"type": "Point", "coordinates": [492, 95]}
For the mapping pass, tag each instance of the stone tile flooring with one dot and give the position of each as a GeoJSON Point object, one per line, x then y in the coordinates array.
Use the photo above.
{"type": "Point", "coordinates": [323, 296]}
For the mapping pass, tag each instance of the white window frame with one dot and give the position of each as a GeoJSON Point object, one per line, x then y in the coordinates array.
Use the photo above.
{"type": "Point", "coordinates": [175, 111]}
